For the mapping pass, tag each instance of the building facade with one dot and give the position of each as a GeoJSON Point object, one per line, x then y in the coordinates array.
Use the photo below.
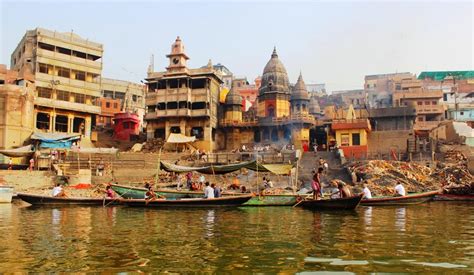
{"type": "Point", "coordinates": [379, 88]}
{"type": "Point", "coordinates": [131, 97]}
{"type": "Point", "coordinates": [183, 100]}
{"type": "Point", "coordinates": [67, 71]}
{"type": "Point", "coordinates": [16, 107]}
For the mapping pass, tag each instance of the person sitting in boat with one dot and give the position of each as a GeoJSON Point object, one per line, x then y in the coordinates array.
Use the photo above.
{"type": "Point", "coordinates": [235, 184]}
{"type": "Point", "coordinates": [150, 194]}
{"type": "Point", "coordinates": [58, 191]}
{"type": "Point", "coordinates": [343, 190]}
{"type": "Point", "coordinates": [267, 183]}
{"type": "Point", "coordinates": [109, 193]}
{"type": "Point", "coordinates": [399, 190]}
{"type": "Point", "coordinates": [208, 191]}
{"type": "Point", "coordinates": [217, 191]}
{"type": "Point", "coordinates": [366, 194]}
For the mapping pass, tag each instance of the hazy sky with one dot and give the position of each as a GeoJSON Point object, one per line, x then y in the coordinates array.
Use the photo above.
{"type": "Point", "coordinates": [336, 43]}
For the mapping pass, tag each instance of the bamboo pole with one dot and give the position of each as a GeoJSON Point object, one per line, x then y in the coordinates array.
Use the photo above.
{"type": "Point", "coordinates": [158, 167]}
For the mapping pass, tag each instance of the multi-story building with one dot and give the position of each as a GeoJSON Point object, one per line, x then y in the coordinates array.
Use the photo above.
{"type": "Point", "coordinates": [428, 103]}
{"type": "Point", "coordinates": [108, 108]}
{"type": "Point", "coordinates": [379, 88]}
{"type": "Point", "coordinates": [356, 98]}
{"type": "Point", "coordinates": [67, 71]}
{"type": "Point", "coordinates": [131, 97]}
{"type": "Point", "coordinates": [226, 75]}
{"type": "Point", "coordinates": [248, 92]}
{"type": "Point", "coordinates": [316, 89]}
{"type": "Point", "coordinates": [183, 100]}
{"type": "Point", "coordinates": [16, 107]}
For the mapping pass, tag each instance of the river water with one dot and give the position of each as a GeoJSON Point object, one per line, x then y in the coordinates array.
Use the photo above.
{"type": "Point", "coordinates": [433, 237]}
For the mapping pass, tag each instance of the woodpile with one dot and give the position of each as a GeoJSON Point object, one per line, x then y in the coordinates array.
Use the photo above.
{"type": "Point", "coordinates": [451, 175]}
{"type": "Point", "coordinates": [152, 145]}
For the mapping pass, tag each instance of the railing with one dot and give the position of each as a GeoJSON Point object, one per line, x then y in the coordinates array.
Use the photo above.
{"type": "Point", "coordinates": [425, 125]}
{"type": "Point", "coordinates": [67, 105]}
{"type": "Point", "coordinates": [429, 109]}
{"type": "Point", "coordinates": [70, 59]}
{"type": "Point", "coordinates": [226, 122]}
{"type": "Point", "coordinates": [263, 157]}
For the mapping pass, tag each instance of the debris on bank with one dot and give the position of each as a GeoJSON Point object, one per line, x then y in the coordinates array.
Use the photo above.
{"type": "Point", "coordinates": [452, 175]}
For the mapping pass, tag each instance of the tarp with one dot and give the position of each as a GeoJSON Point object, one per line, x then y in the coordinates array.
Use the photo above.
{"type": "Point", "coordinates": [55, 140]}
{"type": "Point", "coordinates": [277, 169]}
{"type": "Point", "coordinates": [179, 138]}
{"type": "Point", "coordinates": [19, 152]}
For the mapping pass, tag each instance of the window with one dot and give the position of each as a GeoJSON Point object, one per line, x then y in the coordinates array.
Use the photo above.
{"type": "Point", "coordinates": [356, 139]}
{"type": "Point", "coordinates": [43, 68]}
{"type": "Point", "coordinates": [115, 105]}
{"type": "Point", "coordinates": [434, 103]}
{"type": "Point", "coordinates": [63, 50]}
{"type": "Point", "coordinates": [42, 121]}
{"type": "Point", "coordinates": [344, 139]}
{"type": "Point", "coordinates": [461, 113]}
{"type": "Point", "coordinates": [419, 103]}
{"type": "Point", "coordinates": [107, 104]}
{"type": "Point", "coordinates": [61, 124]}
{"type": "Point", "coordinates": [126, 125]}
{"type": "Point", "coordinates": [64, 72]}
{"type": "Point", "coordinates": [80, 75]}
{"type": "Point", "coordinates": [198, 132]}
{"type": "Point", "coordinates": [427, 103]}
{"type": "Point", "coordinates": [62, 95]}
{"type": "Point", "coordinates": [44, 92]}
{"type": "Point", "coordinates": [80, 98]}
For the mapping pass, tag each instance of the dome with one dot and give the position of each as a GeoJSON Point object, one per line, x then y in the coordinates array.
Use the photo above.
{"type": "Point", "coordinates": [233, 98]}
{"type": "Point", "coordinates": [299, 90]}
{"type": "Point", "coordinates": [314, 107]}
{"type": "Point", "coordinates": [274, 78]}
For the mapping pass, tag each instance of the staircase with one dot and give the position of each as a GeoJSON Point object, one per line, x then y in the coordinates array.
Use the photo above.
{"type": "Point", "coordinates": [310, 162]}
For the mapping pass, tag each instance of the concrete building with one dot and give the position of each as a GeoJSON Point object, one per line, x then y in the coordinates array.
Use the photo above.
{"type": "Point", "coordinates": [16, 107]}
{"type": "Point", "coordinates": [316, 89]}
{"type": "Point", "coordinates": [109, 107]}
{"type": "Point", "coordinates": [131, 96]}
{"type": "Point", "coordinates": [226, 75]}
{"type": "Point", "coordinates": [183, 100]}
{"type": "Point", "coordinates": [357, 98]}
{"type": "Point", "coordinates": [67, 70]}
{"type": "Point", "coordinates": [428, 104]}
{"type": "Point", "coordinates": [379, 88]}
{"type": "Point", "coordinates": [248, 92]}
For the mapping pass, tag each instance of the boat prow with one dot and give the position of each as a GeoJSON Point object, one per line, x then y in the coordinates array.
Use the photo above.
{"type": "Point", "coordinates": [404, 200]}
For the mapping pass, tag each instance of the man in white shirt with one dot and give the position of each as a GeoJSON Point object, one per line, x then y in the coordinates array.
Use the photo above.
{"type": "Point", "coordinates": [208, 191]}
{"type": "Point", "coordinates": [58, 191]}
{"type": "Point", "coordinates": [399, 190]}
{"type": "Point", "coordinates": [366, 192]}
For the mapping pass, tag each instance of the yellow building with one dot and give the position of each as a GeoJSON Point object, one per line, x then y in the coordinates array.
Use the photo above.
{"type": "Point", "coordinates": [67, 69]}
{"type": "Point", "coordinates": [351, 133]}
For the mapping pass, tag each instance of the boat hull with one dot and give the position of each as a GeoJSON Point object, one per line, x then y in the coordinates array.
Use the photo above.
{"type": "Point", "coordinates": [188, 202]}
{"type": "Point", "coordinates": [272, 200]}
{"type": "Point", "coordinates": [128, 192]}
{"type": "Point", "coordinates": [332, 204]}
{"type": "Point", "coordinates": [54, 201]}
{"type": "Point", "coordinates": [454, 197]}
{"type": "Point", "coordinates": [6, 194]}
{"type": "Point", "coordinates": [397, 201]}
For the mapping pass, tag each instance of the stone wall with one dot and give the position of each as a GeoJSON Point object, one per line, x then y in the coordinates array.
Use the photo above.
{"type": "Point", "coordinates": [384, 141]}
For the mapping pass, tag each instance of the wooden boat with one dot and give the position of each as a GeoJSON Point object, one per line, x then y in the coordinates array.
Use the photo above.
{"type": "Point", "coordinates": [54, 201]}
{"type": "Point", "coordinates": [6, 194]}
{"type": "Point", "coordinates": [129, 192]}
{"type": "Point", "coordinates": [332, 204]}
{"type": "Point", "coordinates": [272, 200]}
{"type": "Point", "coordinates": [188, 202]}
{"type": "Point", "coordinates": [405, 200]}
{"type": "Point", "coordinates": [454, 197]}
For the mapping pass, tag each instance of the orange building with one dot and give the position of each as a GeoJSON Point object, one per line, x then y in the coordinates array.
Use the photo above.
{"type": "Point", "coordinates": [108, 108]}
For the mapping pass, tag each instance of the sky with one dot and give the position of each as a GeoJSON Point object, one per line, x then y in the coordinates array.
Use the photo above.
{"type": "Point", "coordinates": [331, 42]}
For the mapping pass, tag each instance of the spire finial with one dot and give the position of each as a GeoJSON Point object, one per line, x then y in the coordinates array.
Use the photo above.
{"type": "Point", "coordinates": [274, 54]}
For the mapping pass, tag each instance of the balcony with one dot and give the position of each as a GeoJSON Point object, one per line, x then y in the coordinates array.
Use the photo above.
{"type": "Point", "coordinates": [429, 109]}
{"type": "Point", "coordinates": [425, 125]}
{"type": "Point", "coordinates": [68, 59]}
{"type": "Point", "coordinates": [177, 113]}
{"type": "Point", "coordinates": [233, 123]}
{"type": "Point", "coordinates": [66, 105]}
{"type": "Point", "coordinates": [65, 83]}
{"type": "Point", "coordinates": [417, 93]}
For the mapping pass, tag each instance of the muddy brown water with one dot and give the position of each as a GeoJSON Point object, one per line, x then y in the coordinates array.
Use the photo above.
{"type": "Point", "coordinates": [433, 237]}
